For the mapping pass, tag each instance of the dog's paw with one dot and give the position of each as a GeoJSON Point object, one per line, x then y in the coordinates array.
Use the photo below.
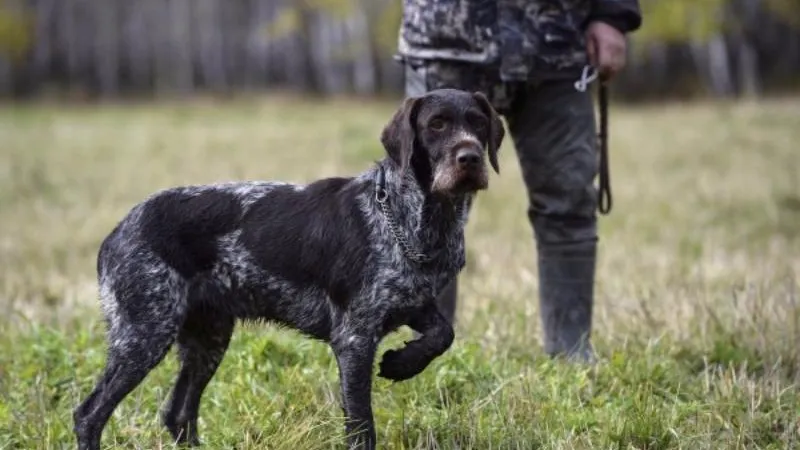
{"type": "Point", "coordinates": [395, 366]}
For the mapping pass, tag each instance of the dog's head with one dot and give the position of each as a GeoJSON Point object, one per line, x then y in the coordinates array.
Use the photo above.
{"type": "Point", "coordinates": [442, 137]}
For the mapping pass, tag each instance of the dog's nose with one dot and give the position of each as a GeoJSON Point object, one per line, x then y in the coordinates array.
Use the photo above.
{"type": "Point", "coordinates": [468, 158]}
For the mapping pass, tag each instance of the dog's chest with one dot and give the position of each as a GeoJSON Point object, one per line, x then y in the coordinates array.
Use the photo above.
{"type": "Point", "coordinates": [451, 258]}
{"type": "Point", "coordinates": [407, 292]}
{"type": "Point", "coordinates": [416, 282]}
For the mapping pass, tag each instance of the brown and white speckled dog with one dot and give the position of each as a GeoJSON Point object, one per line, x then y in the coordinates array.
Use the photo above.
{"type": "Point", "coordinates": [343, 260]}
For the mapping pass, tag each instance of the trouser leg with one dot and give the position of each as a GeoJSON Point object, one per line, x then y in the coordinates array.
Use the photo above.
{"type": "Point", "coordinates": [553, 129]}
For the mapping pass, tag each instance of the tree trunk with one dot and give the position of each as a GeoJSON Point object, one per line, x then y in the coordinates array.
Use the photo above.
{"type": "Point", "coordinates": [364, 72]}
{"type": "Point", "coordinates": [137, 46]}
{"type": "Point", "coordinates": [719, 66]}
{"type": "Point", "coordinates": [181, 48]}
{"type": "Point", "coordinates": [106, 47]}
{"type": "Point", "coordinates": [44, 48]}
{"type": "Point", "coordinates": [749, 79]}
{"type": "Point", "coordinates": [208, 44]}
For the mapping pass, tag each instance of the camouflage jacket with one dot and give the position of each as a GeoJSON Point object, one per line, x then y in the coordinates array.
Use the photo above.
{"type": "Point", "coordinates": [524, 39]}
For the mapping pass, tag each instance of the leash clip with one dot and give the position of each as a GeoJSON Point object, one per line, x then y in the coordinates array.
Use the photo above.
{"type": "Point", "coordinates": [586, 78]}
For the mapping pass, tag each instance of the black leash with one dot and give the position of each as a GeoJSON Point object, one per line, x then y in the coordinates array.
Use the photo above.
{"type": "Point", "coordinates": [604, 199]}
{"type": "Point", "coordinates": [604, 194]}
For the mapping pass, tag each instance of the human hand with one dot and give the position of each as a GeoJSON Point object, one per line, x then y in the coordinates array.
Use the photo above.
{"type": "Point", "coordinates": [606, 47]}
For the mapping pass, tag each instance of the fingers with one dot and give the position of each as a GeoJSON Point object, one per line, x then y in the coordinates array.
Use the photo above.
{"type": "Point", "coordinates": [616, 57]}
{"type": "Point", "coordinates": [591, 50]}
{"type": "Point", "coordinates": [610, 58]}
{"type": "Point", "coordinates": [606, 50]}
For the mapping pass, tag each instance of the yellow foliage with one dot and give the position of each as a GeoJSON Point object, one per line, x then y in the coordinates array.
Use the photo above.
{"type": "Point", "coordinates": [16, 32]}
{"type": "Point", "coordinates": [386, 27]}
{"type": "Point", "coordinates": [289, 18]}
{"type": "Point", "coordinates": [340, 8]}
{"type": "Point", "coordinates": [286, 22]}
{"type": "Point", "coordinates": [697, 20]}
{"type": "Point", "coordinates": [680, 20]}
{"type": "Point", "coordinates": [789, 10]}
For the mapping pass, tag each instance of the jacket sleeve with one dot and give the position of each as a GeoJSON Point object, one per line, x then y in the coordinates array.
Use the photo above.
{"type": "Point", "coordinates": [624, 15]}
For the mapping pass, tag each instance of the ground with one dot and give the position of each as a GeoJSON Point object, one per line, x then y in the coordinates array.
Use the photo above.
{"type": "Point", "coordinates": [697, 321]}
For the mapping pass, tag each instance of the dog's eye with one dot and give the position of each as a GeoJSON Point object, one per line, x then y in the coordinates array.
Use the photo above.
{"type": "Point", "coordinates": [437, 124]}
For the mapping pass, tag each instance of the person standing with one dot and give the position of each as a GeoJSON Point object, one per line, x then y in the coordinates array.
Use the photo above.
{"type": "Point", "coordinates": [533, 60]}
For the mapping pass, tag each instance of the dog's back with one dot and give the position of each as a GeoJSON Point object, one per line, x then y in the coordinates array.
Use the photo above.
{"type": "Point", "coordinates": [274, 251]}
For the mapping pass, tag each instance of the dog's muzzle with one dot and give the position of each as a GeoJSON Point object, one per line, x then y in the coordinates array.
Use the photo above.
{"type": "Point", "coordinates": [470, 169]}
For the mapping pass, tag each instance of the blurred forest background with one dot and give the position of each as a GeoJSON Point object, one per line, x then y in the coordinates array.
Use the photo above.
{"type": "Point", "coordinates": [113, 48]}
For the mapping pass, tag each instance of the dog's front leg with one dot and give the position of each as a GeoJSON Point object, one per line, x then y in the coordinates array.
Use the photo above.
{"type": "Point", "coordinates": [437, 336]}
{"type": "Point", "coordinates": [355, 353]}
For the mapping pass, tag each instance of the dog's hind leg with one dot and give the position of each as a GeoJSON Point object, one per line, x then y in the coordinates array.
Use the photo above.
{"type": "Point", "coordinates": [202, 343]}
{"type": "Point", "coordinates": [138, 339]}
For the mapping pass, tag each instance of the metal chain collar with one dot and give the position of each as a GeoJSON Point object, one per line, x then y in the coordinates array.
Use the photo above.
{"type": "Point", "coordinates": [382, 197]}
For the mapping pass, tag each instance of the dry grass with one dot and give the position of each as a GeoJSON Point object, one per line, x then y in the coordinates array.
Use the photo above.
{"type": "Point", "coordinates": [697, 311]}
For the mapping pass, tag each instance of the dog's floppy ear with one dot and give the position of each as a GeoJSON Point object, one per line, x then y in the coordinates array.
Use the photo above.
{"type": "Point", "coordinates": [496, 130]}
{"type": "Point", "coordinates": [398, 135]}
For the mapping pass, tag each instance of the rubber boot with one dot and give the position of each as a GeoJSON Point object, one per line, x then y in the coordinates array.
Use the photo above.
{"type": "Point", "coordinates": [566, 297]}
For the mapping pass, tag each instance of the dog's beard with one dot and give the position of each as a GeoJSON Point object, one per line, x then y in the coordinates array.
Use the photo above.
{"type": "Point", "coordinates": [452, 181]}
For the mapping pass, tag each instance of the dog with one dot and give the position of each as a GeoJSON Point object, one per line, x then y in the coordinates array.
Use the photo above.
{"type": "Point", "coordinates": [345, 260]}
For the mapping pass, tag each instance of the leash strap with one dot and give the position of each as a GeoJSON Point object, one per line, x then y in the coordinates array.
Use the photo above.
{"type": "Point", "coordinates": [605, 199]}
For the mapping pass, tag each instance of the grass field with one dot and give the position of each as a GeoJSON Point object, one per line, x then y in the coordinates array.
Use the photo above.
{"type": "Point", "coordinates": [697, 318]}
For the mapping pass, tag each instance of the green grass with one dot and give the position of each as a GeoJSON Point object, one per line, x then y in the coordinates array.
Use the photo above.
{"type": "Point", "coordinates": [697, 318]}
